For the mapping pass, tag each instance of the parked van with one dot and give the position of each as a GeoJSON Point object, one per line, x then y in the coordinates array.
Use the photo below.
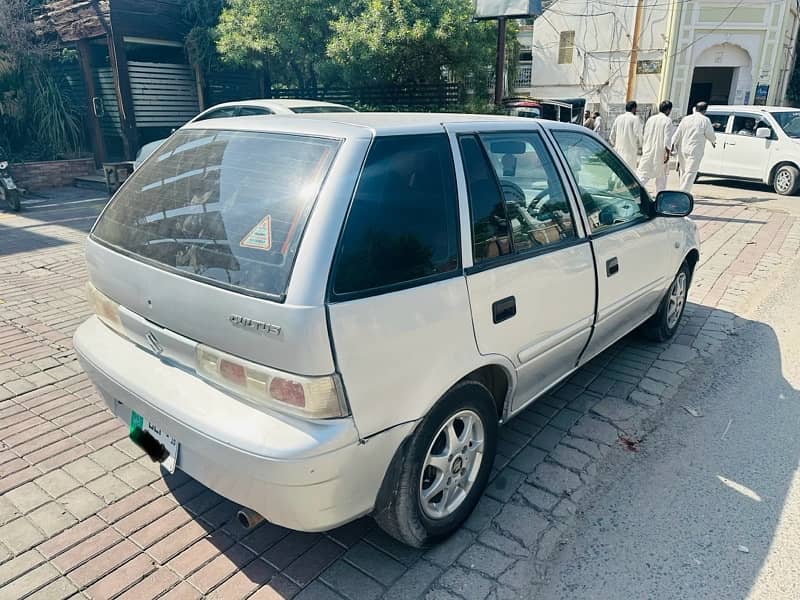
{"type": "Point", "coordinates": [323, 317]}
{"type": "Point", "coordinates": [755, 143]}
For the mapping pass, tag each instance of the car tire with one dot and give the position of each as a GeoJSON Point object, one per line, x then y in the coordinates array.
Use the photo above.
{"type": "Point", "coordinates": [408, 508]}
{"type": "Point", "coordinates": [663, 325]}
{"type": "Point", "coordinates": [786, 180]}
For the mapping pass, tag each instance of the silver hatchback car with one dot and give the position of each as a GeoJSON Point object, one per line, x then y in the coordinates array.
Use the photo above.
{"type": "Point", "coordinates": [326, 317]}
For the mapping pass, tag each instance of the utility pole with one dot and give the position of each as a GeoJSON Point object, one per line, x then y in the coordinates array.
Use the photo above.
{"type": "Point", "coordinates": [634, 50]}
{"type": "Point", "coordinates": [500, 65]}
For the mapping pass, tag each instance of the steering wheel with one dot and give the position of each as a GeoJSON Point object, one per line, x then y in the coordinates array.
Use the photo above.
{"type": "Point", "coordinates": [541, 195]}
{"type": "Point", "coordinates": [512, 192]}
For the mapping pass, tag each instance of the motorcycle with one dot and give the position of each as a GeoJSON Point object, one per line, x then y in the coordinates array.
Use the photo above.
{"type": "Point", "coordinates": [9, 193]}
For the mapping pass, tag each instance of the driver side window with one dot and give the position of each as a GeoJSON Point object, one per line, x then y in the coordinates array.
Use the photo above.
{"type": "Point", "coordinates": [610, 193]}
{"type": "Point", "coordinates": [535, 201]}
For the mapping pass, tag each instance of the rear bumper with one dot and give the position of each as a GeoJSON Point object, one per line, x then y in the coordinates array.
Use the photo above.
{"type": "Point", "coordinates": [305, 475]}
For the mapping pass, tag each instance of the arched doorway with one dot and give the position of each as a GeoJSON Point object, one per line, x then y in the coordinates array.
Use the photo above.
{"type": "Point", "coordinates": [722, 75]}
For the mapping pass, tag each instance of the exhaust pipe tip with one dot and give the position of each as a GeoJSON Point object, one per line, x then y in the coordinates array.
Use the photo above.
{"type": "Point", "coordinates": [248, 518]}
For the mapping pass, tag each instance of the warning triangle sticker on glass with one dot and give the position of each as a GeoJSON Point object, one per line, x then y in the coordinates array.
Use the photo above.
{"type": "Point", "coordinates": [260, 236]}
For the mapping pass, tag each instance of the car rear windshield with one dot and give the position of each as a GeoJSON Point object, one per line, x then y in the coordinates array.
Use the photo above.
{"type": "Point", "coordinates": [226, 207]}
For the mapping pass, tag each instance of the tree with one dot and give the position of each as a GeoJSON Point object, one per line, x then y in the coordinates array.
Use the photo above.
{"type": "Point", "coordinates": [412, 41]}
{"type": "Point", "coordinates": [287, 39]}
{"type": "Point", "coordinates": [37, 116]}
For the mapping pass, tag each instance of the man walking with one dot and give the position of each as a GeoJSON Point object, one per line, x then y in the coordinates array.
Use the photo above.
{"type": "Point", "coordinates": [656, 144]}
{"type": "Point", "coordinates": [626, 134]}
{"type": "Point", "coordinates": [599, 125]}
{"type": "Point", "coordinates": [588, 120]}
{"type": "Point", "coordinates": [689, 143]}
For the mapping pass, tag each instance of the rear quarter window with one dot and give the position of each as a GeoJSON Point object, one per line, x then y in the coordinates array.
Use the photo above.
{"type": "Point", "coordinates": [225, 207]}
{"type": "Point", "coordinates": [402, 228]}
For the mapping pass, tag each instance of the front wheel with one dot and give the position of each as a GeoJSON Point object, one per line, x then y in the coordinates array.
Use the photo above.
{"type": "Point", "coordinates": [11, 198]}
{"type": "Point", "coordinates": [787, 180]}
{"type": "Point", "coordinates": [663, 325]}
{"type": "Point", "coordinates": [444, 468]}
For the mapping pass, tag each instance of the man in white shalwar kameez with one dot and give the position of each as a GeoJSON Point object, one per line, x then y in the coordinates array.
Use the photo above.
{"type": "Point", "coordinates": [689, 142]}
{"type": "Point", "coordinates": [656, 144]}
{"type": "Point", "coordinates": [626, 135]}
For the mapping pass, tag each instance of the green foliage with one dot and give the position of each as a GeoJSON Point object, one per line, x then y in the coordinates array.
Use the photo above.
{"type": "Point", "coordinates": [38, 119]}
{"type": "Point", "coordinates": [403, 41]}
{"type": "Point", "coordinates": [286, 38]}
{"type": "Point", "coordinates": [364, 42]}
{"type": "Point", "coordinates": [55, 122]}
{"type": "Point", "coordinates": [200, 42]}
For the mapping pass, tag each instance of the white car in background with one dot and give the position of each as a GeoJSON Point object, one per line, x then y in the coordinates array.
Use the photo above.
{"type": "Point", "coordinates": [249, 108]}
{"type": "Point", "coordinates": [755, 143]}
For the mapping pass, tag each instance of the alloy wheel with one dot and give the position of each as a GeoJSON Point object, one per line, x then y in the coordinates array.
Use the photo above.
{"type": "Point", "coordinates": [452, 464]}
{"type": "Point", "coordinates": [676, 300]}
{"type": "Point", "coordinates": [783, 180]}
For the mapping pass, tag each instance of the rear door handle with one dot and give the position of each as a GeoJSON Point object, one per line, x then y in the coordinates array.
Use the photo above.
{"type": "Point", "coordinates": [612, 266]}
{"type": "Point", "coordinates": [504, 309]}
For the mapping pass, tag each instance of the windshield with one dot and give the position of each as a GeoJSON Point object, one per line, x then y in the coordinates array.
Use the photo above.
{"type": "Point", "coordinates": [789, 122]}
{"type": "Point", "coordinates": [226, 207]}
{"type": "Point", "coordinates": [320, 109]}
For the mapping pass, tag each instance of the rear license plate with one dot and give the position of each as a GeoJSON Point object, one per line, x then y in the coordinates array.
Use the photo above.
{"type": "Point", "coordinates": [9, 183]}
{"type": "Point", "coordinates": [159, 445]}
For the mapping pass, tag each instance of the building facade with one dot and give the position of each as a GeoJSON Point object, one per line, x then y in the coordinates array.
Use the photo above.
{"type": "Point", "coordinates": [610, 51]}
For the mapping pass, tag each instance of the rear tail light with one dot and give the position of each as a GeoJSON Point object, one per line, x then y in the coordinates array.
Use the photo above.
{"type": "Point", "coordinates": [104, 307]}
{"type": "Point", "coordinates": [311, 397]}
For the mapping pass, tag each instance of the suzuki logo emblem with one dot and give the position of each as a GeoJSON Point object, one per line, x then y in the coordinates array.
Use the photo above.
{"type": "Point", "coordinates": [153, 341]}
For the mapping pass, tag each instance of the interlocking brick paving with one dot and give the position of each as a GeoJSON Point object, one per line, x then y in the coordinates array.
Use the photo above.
{"type": "Point", "coordinates": [84, 514]}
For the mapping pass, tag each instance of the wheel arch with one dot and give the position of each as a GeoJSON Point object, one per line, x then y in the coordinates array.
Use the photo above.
{"type": "Point", "coordinates": [498, 380]}
{"type": "Point", "coordinates": [691, 259]}
{"type": "Point", "coordinates": [496, 376]}
{"type": "Point", "coordinates": [496, 372]}
{"type": "Point", "coordinates": [778, 165]}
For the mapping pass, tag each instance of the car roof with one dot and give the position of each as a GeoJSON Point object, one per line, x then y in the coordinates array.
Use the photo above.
{"type": "Point", "coordinates": [277, 103]}
{"type": "Point", "coordinates": [748, 108]}
{"type": "Point", "coordinates": [359, 124]}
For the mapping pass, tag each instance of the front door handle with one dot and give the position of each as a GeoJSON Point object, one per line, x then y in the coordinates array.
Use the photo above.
{"type": "Point", "coordinates": [504, 309]}
{"type": "Point", "coordinates": [612, 266]}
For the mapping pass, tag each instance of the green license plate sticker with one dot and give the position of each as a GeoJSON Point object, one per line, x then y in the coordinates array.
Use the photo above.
{"type": "Point", "coordinates": [137, 423]}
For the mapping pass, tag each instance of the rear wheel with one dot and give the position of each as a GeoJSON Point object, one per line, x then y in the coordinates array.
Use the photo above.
{"type": "Point", "coordinates": [444, 468]}
{"type": "Point", "coordinates": [663, 325]}
{"type": "Point", "coordinates": [787, 180]}
{"type": "Point", "coordinates": [11, 198]}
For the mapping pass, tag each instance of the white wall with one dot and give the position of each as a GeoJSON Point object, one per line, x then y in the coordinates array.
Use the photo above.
{"type": "Point", "coordinates": [603, 32]}
{"type": "Point", "coordinates": [756, 36]}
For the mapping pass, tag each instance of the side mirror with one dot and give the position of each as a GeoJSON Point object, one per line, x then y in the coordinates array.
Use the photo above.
{"type": "Point", "coordinates": [764, 132]}
{"type": "Point", "coordinates": [674, 204]}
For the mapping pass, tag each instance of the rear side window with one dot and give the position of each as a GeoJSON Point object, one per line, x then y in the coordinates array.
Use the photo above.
{"type": "Point", "coordinates": [490, 232]}
{"type": "Point", "coordinates": [252, 111]}
{"type": "Point", "coordinates": [225, 207]}
{"type": "Point", "coordinates": [306, 110]}
{"type": "Point", "coordinates": [402, 228]}
{"type": "Point", "coordinates": [220, 113]}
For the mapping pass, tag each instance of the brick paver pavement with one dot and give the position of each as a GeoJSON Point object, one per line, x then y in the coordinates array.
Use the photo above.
{"type": "Point", "coordinates": [84, 514]}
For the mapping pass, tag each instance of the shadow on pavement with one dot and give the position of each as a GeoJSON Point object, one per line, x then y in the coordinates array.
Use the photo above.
{"type": "Point", "coordinates": [648, 529]}
{"type": "Point", "coordinates": [745, 186]}
{"type": "Point", "coordinates": [50, 221]}
{"type": "Point", "coordinates": [696, 513]}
